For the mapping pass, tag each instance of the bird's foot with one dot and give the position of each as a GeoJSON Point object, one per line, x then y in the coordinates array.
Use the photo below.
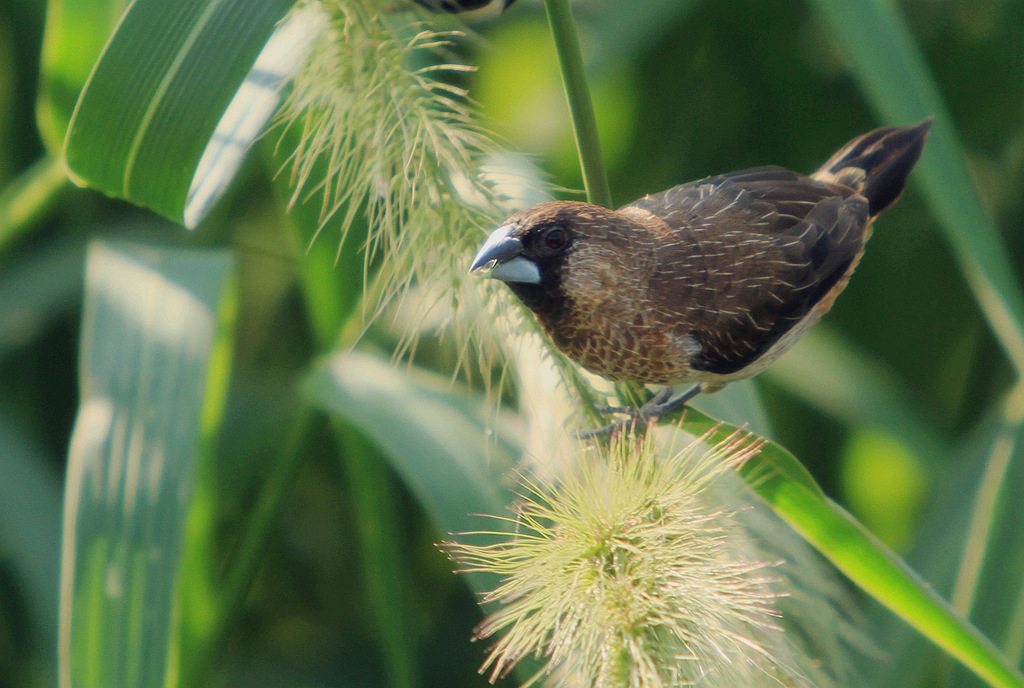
{"type": "Point", "coordinates": [661, 404]}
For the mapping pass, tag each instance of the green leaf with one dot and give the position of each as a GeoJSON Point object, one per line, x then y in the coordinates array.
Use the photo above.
{"type": "Point", "coordinates": [783, 482]}
{"type": "Point", "coordinates": [251, 107]}
{"type": "Point", "coordinates": [894, 76]}
{"type": "Point", "coordinates": [76, 31]}
{"type": "Point", "coordinates": [159, 91]}
{"type": "Point", "coordinates": [153, 372]}
{"type": "Point", "coordinates": [436, 439]}
{"type": "Point", "coordinates": [45, 282]}
{"type": "Point", "coordinates": [211, 602]}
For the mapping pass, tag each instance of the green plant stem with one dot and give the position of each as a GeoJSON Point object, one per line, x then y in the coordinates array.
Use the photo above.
{"type": "Point", "coordinates": [246, 562]}
{"type": "Point", "coordinates": [574, 78]}
{"type": "Point", "coordinates": [595, 178]}
{"type": "Point", "coordinates": [29, 196]}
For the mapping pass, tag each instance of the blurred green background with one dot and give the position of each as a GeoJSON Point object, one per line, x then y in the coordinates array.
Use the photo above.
{"type": "Point", "coordinates": [683, 89]}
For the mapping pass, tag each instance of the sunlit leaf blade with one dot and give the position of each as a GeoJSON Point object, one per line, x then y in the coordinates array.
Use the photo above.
{"type": "Point", "coordinates": [941, 550]}
{"type": "Point", "coordinates": [436, 439]}
{"type": "Point", "coordinates": [783, 482]}
{"type": "Point", "coordinates": [150, 386]}
{"type": "Point", "coordinates": [76, 31]}
{"type": "Point", "coordinates": [894, 76]}
{"type": "Point", "coordinates": [448, 448]}
{"type": "Point", "coordinates": [253, 105]}
{"type": "Point", "coordinates": [158, 92]}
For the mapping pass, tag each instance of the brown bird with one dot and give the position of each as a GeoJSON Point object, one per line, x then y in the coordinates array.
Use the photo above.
{"type": "Point", "coordinates": [709, 281]}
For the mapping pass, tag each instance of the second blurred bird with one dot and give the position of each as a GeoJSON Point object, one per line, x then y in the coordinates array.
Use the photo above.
{"type": "Point", "coordinates": [457, 6]}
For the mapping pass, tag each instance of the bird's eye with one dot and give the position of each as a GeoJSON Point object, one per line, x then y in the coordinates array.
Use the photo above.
{"type": "Point", "coordinates": [555, 238]}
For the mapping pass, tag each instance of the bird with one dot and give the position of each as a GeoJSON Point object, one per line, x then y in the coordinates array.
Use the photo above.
{"type": "Point", "coordinates": [707, 282]}
{"type": "Point", "coordinates": [459, 6]}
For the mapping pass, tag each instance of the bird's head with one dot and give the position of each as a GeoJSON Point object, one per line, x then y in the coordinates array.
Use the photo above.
{"type": "Point", "coordinates": [554, 250]}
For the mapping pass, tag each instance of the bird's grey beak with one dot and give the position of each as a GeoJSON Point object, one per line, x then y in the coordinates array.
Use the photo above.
{"type": "Point", "coordinates": [503, 255]}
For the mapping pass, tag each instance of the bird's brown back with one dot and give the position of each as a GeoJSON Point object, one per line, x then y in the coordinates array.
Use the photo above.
{"type": "Point", "coordinates": [754, 252]}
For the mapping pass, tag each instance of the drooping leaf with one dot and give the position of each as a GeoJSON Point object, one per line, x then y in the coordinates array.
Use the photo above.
{"type": "Point", "coordinates": [161, 89]}
{"type": "Point", "coordinates": [436, 439]}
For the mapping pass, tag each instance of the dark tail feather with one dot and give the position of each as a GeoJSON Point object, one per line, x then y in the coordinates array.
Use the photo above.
{"type": "Point", "coordinates": [877, 164]}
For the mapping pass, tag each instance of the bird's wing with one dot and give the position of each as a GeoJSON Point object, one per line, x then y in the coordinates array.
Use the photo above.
{"type": "Point", "coordinates": [743, 257]}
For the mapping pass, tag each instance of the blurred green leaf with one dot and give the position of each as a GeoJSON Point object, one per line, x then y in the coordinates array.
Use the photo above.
{"type": "Point", "coordinates": [938, 554]}
{"type": "Point", "coordinates": [159, 92]}
{"type": "Point", "coordinates": [76, 31]}
{"type": "Point", "coordinates": [377, 517]}
{"type": "Point", "coordinates": [884, 484]}
{"type": "Point", "coordinates": [210, 607]}
{"type": "Point", "coordinates": [30, 523]}
{"type": "Point", "coordinates": [451, 449]}
{"type": "Point", "coordinates": [152, 376]}
{"type": "Point", "coordinates": [990, 580]}
{"type": "Point", "coordinates": [828, 373]}
{"type": "Point", "coordinates": [784, 483]}
{"type": "Point", "coordinates": [623, 26]}
{"type": "Point", "coordinates": [36, 291]}
{"type": "Point", "coordinates": [895, 78]}
{"type": "Point", "coordinates": [332, 276]}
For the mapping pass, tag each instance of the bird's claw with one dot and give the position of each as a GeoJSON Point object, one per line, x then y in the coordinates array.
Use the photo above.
{"type": "Point", "coordinates": [659, 405]}
{"type": "Point", "coordinates": [607, 430]}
